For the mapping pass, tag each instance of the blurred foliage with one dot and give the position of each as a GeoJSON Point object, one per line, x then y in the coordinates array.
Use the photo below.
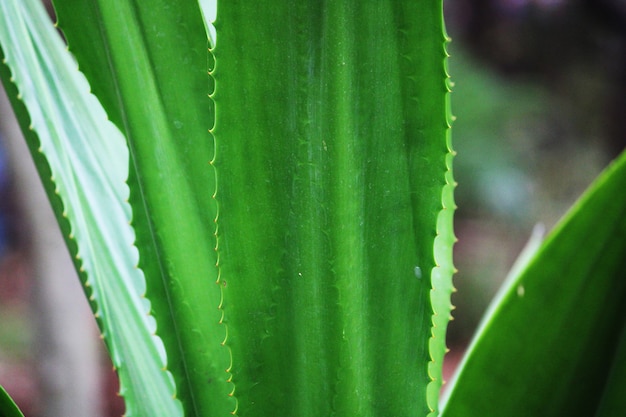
{"type": "Point", "coordinates": [522, 159]}
{"type": "Point", "coordinates": [16, 334]}
{"type": "Point", "coordinates": [4, 186]}
{"type": "Point", "coordinates": [495, 121]}
{"type": "Point", "coordinates": [573, 48]}
{"type": "Point", "coordinates": [516, 148]}
{"type": "Point", "coordinates": [539, 97]}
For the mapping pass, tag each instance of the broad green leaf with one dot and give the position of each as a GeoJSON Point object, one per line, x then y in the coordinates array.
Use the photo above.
{"type": "Point", "coordinates": [334, 186]}
{"type": "Point", "coordinates": [148, 62]}
{"type": "Point", "coordinates": [8, 408]}
{"type": "Point", "coordinates": [83, 162]}
{"type": "Point", "coordinates": [552, 338]}
{"type": "Point", "coordinates": [335, 192]}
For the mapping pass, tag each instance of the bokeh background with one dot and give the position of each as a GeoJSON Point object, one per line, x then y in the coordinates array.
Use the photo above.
{"type": "Point", "coordinates": [540, 100]}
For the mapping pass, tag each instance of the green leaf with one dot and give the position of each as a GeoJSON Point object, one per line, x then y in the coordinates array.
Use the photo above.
{"type": "Point", "coordinates": [550, 339]}
{"type": "Point", "coordinates": [613, 401]}
{"type": "Point", "coordinates": [7, 406]}
{"type": "Point", "coordinates": [147, 62]}
{"type": "Point", "coordinates": [331, 157]}
{"type": "Point", "coordinates": [335, 222]}
{"type": "Point", "coordinates": [83, 162]}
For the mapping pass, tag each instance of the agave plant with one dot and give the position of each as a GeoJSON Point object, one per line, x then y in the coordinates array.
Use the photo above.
{"type": "Point", "coordinates": [261, 216]}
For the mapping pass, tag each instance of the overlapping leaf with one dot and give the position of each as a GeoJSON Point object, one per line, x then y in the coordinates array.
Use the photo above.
{"type": "Point", "coordinates": [147, 62]}
{"type": "Point", "coordinates": [83, 161]}
{"type": "Point", "coordinates": [335, 226]}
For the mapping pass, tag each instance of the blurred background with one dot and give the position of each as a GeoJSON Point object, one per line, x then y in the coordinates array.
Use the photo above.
{"type": "Point", "coordinates": [540, 97]}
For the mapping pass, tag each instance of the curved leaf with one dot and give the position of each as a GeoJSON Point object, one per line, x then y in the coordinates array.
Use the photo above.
{"type": "Point", "coordinates": [83, 162]}
{"type": "Point", "coordinates": [148, 64]}
{"type": "Point", "coordinates": [547, 346]}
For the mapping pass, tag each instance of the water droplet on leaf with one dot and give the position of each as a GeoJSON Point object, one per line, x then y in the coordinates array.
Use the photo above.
{"type": "Point", "coordinates": [418, 272]}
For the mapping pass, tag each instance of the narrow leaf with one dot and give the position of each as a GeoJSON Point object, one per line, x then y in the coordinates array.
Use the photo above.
{"type": "Point", "coordinates": [8, 408]}
{"type": "Point", "coordinates": [83, 162]}
{"type": "Point", "coordinates": [148, 63]}
{"type": "Point", "coordinates": [548, 345]}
